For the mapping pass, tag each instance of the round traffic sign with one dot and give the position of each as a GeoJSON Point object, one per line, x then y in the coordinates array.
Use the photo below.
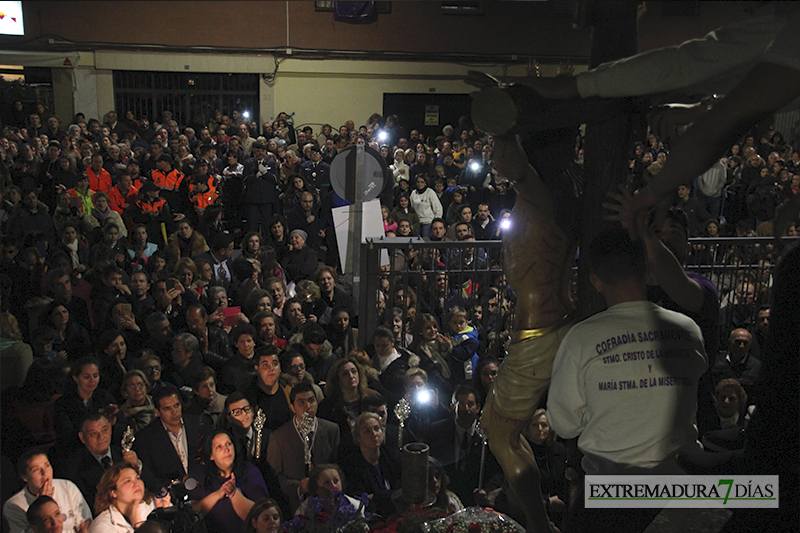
{"type": "Point", "coordinates": [343, 173]}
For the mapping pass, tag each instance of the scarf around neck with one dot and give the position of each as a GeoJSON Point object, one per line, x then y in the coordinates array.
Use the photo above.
{"type": "Point", "coordinates": [73, 253]}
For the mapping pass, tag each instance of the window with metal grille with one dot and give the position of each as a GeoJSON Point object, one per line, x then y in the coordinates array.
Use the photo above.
{"type": "Point", "coordinates": [191, 97]}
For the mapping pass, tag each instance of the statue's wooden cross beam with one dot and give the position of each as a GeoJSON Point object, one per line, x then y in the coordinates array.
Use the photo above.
{"type": "Point", "coordinates": [548, 131]}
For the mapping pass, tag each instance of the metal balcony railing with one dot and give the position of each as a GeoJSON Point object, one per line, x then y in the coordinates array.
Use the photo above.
{"type": "Point", "coordinates": [416, 276]}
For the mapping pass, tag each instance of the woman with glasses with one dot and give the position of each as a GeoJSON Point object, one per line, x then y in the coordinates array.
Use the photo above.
{"type": "Point", "coordinates": [150, 364]}
{"type": "Point", "coordinates": [138, 407]}
{"type": "Point", "coordinates": [293, 371]}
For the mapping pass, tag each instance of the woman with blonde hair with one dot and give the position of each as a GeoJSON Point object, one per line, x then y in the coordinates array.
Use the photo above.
{"type": "Point", "coordinates": [373, 468]}
{"type": "Point", "coordinates": [310, 297]}
{"type": "Point", "coordinates": [409, 157]}
{"type": "Point", "coordinates": [186, 272]}
{"type": "Point", "coordinates": [399, 167]}
{"type": "Point", "coordinates": [426, 402]}
{"type": "Point", "coordinates": [551, 456]}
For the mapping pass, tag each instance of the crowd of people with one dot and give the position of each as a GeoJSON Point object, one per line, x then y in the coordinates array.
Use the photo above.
{"type": "Point", "coordinates": [182, 286]}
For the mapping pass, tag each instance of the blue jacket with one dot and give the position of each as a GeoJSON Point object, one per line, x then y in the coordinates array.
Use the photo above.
{"type": "Point", "coordinates": [465, 348]}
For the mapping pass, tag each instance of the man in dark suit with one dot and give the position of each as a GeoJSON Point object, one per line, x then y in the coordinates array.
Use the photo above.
{"type": "Point", "coordinates": [286, 450]}
{"type": "Point", "coordinates": [738, 363]}
{"type": "Point", "coordinates": [317, 172]}
{"type": "Point", "coordinates": [170, 446]}
{"type": "Point", "coordinates": [96, 456]}
{"type": "Point", "coordinates": [218, 255]}
{"type": "Point", "coordinates": [261, 189]}
{"type": "Point", "coordinates": [458, 448]}
{"type": "Point", "coordinates": [115, 126]}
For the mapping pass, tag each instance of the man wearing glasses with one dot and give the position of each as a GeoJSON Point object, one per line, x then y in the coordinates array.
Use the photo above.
{"type": "Point", "coordinates": [247, 424]}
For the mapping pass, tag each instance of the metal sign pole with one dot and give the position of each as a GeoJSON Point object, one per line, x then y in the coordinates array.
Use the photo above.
{"type": "Point", "coordinates": [356, 226]}
{"type": "Point", "coordinates": [358, 175]}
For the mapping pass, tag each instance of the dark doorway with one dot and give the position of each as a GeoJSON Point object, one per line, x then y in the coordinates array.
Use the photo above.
{"type": "Point", "coordinates": [410, 110]}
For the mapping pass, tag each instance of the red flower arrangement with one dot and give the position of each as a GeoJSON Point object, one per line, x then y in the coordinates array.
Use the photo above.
{"type": "Point", "coordinates": [409, 521]}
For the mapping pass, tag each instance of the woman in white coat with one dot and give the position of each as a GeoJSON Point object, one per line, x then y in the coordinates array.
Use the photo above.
{"type": "Point", "coordinates": [399, 168]}
{"type": "Point", "coordinates": [122, 504]}
{"type": "Point", "coordinates": [426, 203]}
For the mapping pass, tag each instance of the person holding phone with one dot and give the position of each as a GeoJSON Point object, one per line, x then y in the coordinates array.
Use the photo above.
{"type": "Point", "coordinates": [169, 294]}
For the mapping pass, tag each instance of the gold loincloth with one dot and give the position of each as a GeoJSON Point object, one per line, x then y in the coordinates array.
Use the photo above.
{"type": "Point", "coordinates": [525, 372]}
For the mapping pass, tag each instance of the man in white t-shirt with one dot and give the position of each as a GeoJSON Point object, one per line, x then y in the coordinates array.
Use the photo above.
{"type": "Point", "coordinates": [625, 380]}
{"type": "Point", "coordinates": [37, 473]}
